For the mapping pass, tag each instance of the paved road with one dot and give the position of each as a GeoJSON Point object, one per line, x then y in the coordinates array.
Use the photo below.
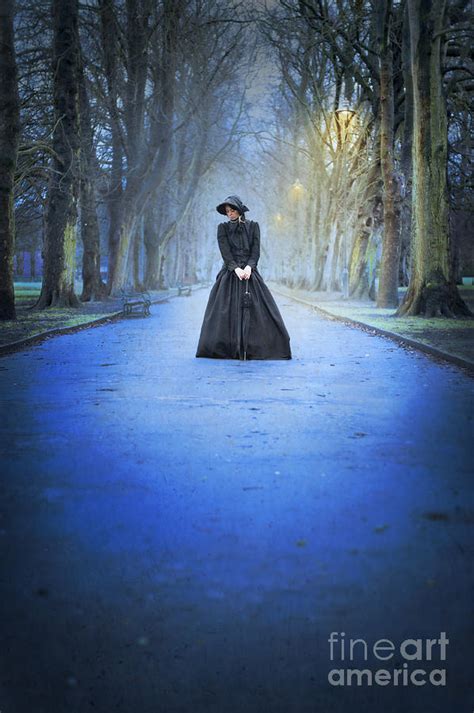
{"type": "Point", "coordinates": [183, 535]}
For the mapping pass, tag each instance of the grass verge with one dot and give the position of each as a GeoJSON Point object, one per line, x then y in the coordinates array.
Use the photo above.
{"type": "Point", "coordinates": [452, 336]}
{"type": "Point", "coordinates": [31, 324]}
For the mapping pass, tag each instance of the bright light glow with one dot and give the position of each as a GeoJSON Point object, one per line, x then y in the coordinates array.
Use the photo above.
{"type": "Point", "coordinates": [344, 127]}
{"type": "Point", "coordinates": [341, 129]}
{"type": "Point", "coordinates": [297, 190]}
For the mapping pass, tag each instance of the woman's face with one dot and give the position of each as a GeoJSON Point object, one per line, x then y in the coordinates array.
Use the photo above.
{"type": "Point", "coordinates": [231, 212]}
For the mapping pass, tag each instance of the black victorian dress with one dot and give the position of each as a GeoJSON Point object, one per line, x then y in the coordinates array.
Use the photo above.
{"type": "Point", "coordinates": [221, 335]}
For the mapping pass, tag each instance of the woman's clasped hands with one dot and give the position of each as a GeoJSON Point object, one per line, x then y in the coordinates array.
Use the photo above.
{"type": "Point", "coordinates": [243, 274]}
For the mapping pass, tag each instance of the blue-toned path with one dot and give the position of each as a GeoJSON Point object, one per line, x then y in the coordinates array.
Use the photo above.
{"type": "Point", "coordinates": [181, 535]}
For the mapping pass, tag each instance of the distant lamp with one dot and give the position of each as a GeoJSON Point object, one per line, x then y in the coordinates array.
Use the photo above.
{"type": "Point", "coordinates": [297, 190]}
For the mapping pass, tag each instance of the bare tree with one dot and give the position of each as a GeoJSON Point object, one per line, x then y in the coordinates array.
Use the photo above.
{"type": "Point", "coordinates": [432, 290]}
{"type": "Point", "coordinates": [92, 286]}
{"type": "Point", "coordinates": [406, 141]}
{"type": "Point", "coordinates": [9, 140]}
{"type": "Point", "coordinates": [210, 96]}
{"type": "Point", "coordinates": [387, 294]}
{"type": "Point", "coordinates": [110, 44]}
{"type": "Point", "coordinates": [61, 221]}
{"type": "Point", "coordinates": [327, 141]}
{"type": "Point", "coordinates": [146, 169]}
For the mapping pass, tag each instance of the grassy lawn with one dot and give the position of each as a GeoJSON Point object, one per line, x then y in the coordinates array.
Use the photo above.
{"type": "Point", "coordinates": [33, 323]}
{"type": "Point", "coordinates": [451, 335]}
{"type": "Point", "coordinates": [30, 323]}
{"type": "Point", "coordinates": [26, 292]}
{"type": "Point", "coordinates": [455, 336]}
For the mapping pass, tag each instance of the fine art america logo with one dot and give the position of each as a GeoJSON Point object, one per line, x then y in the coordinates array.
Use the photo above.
{"type": "Point", "coordinates": [418, 656]}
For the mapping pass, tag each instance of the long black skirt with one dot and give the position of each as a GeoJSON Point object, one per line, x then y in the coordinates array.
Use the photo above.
{"type": "Point", "coordinates": [231, 330]}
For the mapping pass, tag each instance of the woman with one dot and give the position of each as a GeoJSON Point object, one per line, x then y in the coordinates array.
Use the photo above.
{"type": "Point", "coordinates": [236, 326]}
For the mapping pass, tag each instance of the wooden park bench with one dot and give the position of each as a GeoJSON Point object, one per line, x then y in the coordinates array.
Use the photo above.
{"type": "Point", "coordinates": [184, 290]}
{"type": "Point", "coordinates": [135, 303]}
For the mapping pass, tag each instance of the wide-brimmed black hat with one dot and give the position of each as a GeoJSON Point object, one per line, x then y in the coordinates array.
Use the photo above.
{"type": "Point", "coordinates": [235, 202]}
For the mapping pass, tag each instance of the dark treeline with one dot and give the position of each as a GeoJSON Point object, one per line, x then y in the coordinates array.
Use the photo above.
{"type": "Point", "coordinates": [125, 108]}
{"type": "Point", "coordinates": [123, 121]}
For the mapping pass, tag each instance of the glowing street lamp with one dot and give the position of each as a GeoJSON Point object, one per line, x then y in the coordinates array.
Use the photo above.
{"type": "Point", "coordinates": [345, 123]}
{"type": "Point", "coordinates": [297, 190]}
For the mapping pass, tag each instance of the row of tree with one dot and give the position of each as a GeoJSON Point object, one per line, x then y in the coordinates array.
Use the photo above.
{"type": "Point", "coordinates": [117, 115]}
{"type": "Point", "coordinates": [123, 103]}
{"type": "Point", "coordinates": [369, 88]}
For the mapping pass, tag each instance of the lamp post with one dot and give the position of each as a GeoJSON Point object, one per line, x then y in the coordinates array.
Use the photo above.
{"type": "Point", "coordinates": [297, 190]}
{"type": "Point", "coordinates": [345, 120]}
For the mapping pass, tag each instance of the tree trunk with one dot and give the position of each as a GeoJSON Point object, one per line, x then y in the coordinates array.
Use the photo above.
{"type": "Point", "coordinates": [359, 269]}
{"type": "Point", "coordinates": [328, 257]}
{"type": "Point", "coordinates": [164, 239]}
{"type": "Point", "coordinates": [146, 173]}
{"type": "Point", "coordinates": [405, 157]}
{"type": "Point", "coordinates": [330, 231]}
{"type": "Point", "coordinates": [161, 269]}
{"type": "Point", "coordinates": [387, 294]}
{"type": "Point", "coordinates": [137, 244]}
{"type": "Point", "coordinates": [152, 274]}
{"type": "Point", "coordinates": [359, 283]}
{"type": "Point", "coordinates": [315, 241]}
{"type": "Point", "coordinates": [335, 280]}
{"type": "Point", "coordinates": [137, 15]}
{"type": "Point", "coordinates": [60, 239]}
{"type": "Point", "coordinates": [20, 263]}
{"type": "Point", "coordinates": [432, 291]}
{"type": "Point", "coordinates": [110, 40]}
{"type": "Point", "coordinates": [9, 138]}
{"type": "Point", "coordinates": [114, 205]}
{"type": "Point", "coordinates": [160, 228]}
{"type": "Point", "coordinates": [151, 229]}
{"type": "Point", "coordinates": [122, 263]}
{"type": "Point", "coordinates": [92, 286]}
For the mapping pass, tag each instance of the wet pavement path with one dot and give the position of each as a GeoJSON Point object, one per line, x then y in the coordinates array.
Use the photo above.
{"type": "Point", "coordinates": [183, 535]}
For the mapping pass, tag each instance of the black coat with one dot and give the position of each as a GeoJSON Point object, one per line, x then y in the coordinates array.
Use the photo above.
{"type": "Point", "coordinates": [221, 332]}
